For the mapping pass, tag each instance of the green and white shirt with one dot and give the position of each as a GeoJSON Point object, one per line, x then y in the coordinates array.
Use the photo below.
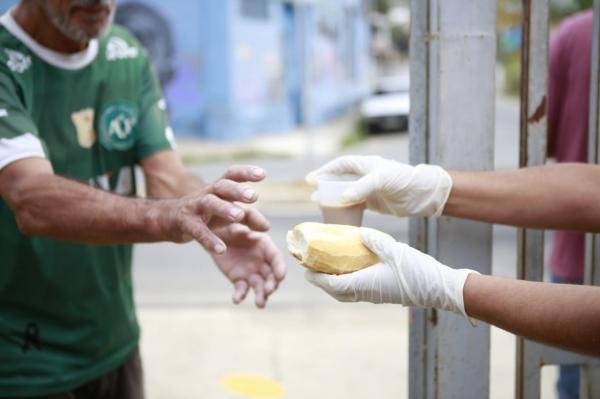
{"type": "Point", "coordinates": [66, 310]}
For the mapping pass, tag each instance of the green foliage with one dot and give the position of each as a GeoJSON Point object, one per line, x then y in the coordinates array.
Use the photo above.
{"type": "Point", "coordinates": [195, 158]}
{"type": "Point", "coordinates": [400, 37]}
{"type": "Point", "coordinates": [508, 13]}
{"type": "Point", "coordinates": [583, 4]}
{"type": "Point", "coordinates": [509, 16]}
{"type": "Point", "coordinates": [512, 71]}
{"type": "Point", "coordinates": [358, 134]}
{"type": "Point", "coordinates": [382, 6]}
{"type": "Point", "coordinates": [559, 10]}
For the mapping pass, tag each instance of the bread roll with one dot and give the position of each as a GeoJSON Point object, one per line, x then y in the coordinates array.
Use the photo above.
{"type": "Point", "coordinates": [329, 248]}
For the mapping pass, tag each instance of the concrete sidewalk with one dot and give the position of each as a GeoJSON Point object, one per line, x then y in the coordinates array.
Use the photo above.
{"type": "Point", "coordinates": [319, 141]}
{"type": "Point", "coordinates": [313, 352]}
{"type": "Point", "coordinates": [335, 351]}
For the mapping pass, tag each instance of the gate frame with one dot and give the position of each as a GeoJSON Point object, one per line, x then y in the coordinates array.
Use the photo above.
{"type": "Point", "coordinates": [532, 356]}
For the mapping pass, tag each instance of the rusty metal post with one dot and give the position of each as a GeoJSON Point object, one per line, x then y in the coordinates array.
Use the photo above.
{"type": "Point", "coordinates": [419, 61]}
{"type": "Point", "coordinates": [531, 356]}
{"type": "Point", "coordinates": [592, 272]}
{"type": "Point", "coordinates": [534, 88]}
{"type": "Point", "coordinates": [590, 374]}
{"type": "Point", "coordinates": [453, 55]}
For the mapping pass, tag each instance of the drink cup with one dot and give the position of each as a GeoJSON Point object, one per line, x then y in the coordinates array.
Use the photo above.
{"type": "Point", "coordinates": [330, 189]}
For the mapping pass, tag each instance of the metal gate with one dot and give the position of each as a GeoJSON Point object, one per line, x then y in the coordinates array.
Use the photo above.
{"type": "Point", "coordinates": [531, 356]}
{"type": "Point", "coordinates": [453, 55]}
{"type": "Point", "coordinates": [448, 38]}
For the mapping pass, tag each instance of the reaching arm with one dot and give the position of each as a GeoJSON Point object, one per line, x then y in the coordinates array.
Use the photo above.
{"type": "Point", "coordinates": [166, 176]}
{"type": "Point", "coordinates": [49, 205]}
{"type": "Point", "coordinates": [566, 316]}
{"type": "Point", "coordinates": [565, 196]}
{"type": "Point", "coordinates": [252, 261]}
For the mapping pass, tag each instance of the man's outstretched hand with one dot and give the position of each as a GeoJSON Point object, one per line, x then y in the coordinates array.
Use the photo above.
{"type": "Point", "coordinates": [197, 215]}
{"type": "Point", "coordinates": [251, 261]}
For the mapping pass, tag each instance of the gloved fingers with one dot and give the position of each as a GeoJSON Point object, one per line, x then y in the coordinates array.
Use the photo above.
{"type": "Point", "coordinates": [339, 287]}
{"type": "Point", "coordinates": [380, 243]}
{"type": "Point", "coordinates": [362, 189]}
{"type": "Point", "coordinates": [318, 279]}
{"type": "Point", "coordinates": [353, 164]}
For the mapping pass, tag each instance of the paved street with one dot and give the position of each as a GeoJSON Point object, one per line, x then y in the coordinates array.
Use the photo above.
{"type": "Point", "coordinates": [313, 346]}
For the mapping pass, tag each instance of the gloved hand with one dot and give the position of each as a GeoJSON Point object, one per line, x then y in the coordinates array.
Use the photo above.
{"type": "Point", "coordinates": [392, 187]}
{"type": "Point", "coordinates": [404, 276]}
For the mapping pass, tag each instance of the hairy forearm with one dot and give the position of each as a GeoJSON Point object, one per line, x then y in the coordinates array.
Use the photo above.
{"type": "Point", "coordinates": [170, 185]}
{"type": "Point", "coordinates": [565, 196]}
{"type": "Point", "coordinates": [49, 205]}
{"type": "Point", "coordinates": [166, 177]}
{"type": "Point", "coordinates": [566, 316]}
{"type": "Point", "coordinates": [45, 204]}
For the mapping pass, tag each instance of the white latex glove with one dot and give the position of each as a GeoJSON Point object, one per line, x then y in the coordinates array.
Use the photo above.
{"type": "Point", "coordinates": [392, 187]}
{"type": "Point", "coordinates": [404, 276]}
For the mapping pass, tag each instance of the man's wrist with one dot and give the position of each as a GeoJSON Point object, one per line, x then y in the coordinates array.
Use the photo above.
{"type": "Point", "coordinates": [156, 219]}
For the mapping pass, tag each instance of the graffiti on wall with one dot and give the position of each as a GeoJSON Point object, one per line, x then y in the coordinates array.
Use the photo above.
{"type": "Point", "coordinates": [176, 66]}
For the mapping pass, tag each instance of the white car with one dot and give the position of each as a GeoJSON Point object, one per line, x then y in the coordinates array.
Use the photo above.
{"type": "Point", "coordinates": [388, 107]}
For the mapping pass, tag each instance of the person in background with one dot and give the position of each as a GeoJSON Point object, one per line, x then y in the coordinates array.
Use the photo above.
{"type": "Point", "coordinates": [568, 120]}
{"type": "Point", "coordinates": [80, 108]}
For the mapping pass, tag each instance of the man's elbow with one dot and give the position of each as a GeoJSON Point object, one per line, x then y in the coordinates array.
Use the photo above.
{"type": "Point", "coordinates": [28, 222]}
{"type": "Point", "coordinates": [24, 187]}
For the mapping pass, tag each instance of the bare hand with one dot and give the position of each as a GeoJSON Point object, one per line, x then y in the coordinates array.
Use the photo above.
{"type": "Point", "coordinates": [252, 261]}
{"type": "Point", "coordinates": [214, 206]}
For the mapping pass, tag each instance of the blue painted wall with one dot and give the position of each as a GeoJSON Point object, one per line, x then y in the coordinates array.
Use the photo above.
{"type": "Point", "coordinates": [233, 68]}
{"type": "Point", "coordinates": [338, 40]}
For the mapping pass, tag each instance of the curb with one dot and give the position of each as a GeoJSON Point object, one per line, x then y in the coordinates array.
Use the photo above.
{"type": "Point", "coordinates": [319, 141]}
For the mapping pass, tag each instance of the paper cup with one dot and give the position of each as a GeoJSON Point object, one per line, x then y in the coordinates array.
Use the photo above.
{"type": "Point", "coordinates": [330, 189]}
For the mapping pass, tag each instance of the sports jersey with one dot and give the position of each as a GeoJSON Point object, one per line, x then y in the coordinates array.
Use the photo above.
{"type": "Point", "coordinates": [66, 310]}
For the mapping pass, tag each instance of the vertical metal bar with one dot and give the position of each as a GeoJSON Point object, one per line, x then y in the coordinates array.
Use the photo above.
{"type": "Point", "coordinates": [462, 77]}
{"type": "Point", "coordinates": [591, 265]}
{"type": "Point", "coordinates": [419, 60]}
{"type": "Point", "coordinates": [534, 82]}
{"type": "Point", "coordinates": [453, 48]}
{"type": "Point", "coordinates": [590, 376]}
{"type": "Point", "coordinates": [419, 115]}
{"type": "Point", "coordinates": [590, 382]}
{"type": "Point", "coordinates": [533, 126]}
{"type": "Point", "coordinates": [530, 356]}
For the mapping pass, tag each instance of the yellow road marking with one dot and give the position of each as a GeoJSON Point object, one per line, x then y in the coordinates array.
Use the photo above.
{"type": "Point", "coordinates": [252, 386]}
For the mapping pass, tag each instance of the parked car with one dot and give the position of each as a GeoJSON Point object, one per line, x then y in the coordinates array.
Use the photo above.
{"type": "Point", "coordinates": [388, 107]}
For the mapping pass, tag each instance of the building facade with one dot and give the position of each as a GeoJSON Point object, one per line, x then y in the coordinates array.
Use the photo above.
{"type": "Point", "coordinates": [234, 68]}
